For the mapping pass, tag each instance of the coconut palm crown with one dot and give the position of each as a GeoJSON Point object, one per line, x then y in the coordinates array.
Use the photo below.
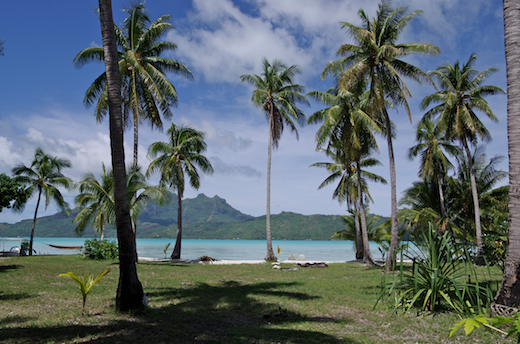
{"type": "Point", "coordinates": [145, 90]}
{"type": "Point", "coordinates": [43, 177]}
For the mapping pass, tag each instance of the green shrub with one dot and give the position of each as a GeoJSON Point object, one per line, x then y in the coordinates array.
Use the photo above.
{"type": "Point", "coordinates": [97, 249]}
{"type": "Point", "coordinates": [439, 279]}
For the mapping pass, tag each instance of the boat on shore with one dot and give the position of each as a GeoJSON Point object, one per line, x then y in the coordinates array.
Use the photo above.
{"type": "Point", "coordinates": [16, 250]}
{"type": "Point", "coordinates": [64, 247]}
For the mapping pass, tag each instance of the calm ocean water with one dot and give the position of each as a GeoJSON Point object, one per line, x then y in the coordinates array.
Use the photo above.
{"type": "Point", "coordinates": [224, 249]}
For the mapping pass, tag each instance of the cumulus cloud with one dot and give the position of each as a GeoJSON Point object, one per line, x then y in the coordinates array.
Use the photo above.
{"type": "Point", "coordinates": [221, 167]}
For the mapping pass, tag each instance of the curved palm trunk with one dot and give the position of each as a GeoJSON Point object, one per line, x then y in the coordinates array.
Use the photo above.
{"type": "Point", "coordinates": [359, 239]}
{"type": "Point", "coordinates": [129, 291]}
{"type": "Point", "coordinates": [367, 254]}
{"type": "Point", "coordinates": [34, 221]}
{"type": "Point", "coordinates": [270, 257]}
{"type": "Point", "coordinates": [479, 259]}
{"type": "Point", "coordinates": [176, 254]}
{"type": "Point", "coordinates": [509, 293]}
{"type": "Point", "coordinates": [103, 231]}
{"type": "Point", "coordinates": [390, 261]}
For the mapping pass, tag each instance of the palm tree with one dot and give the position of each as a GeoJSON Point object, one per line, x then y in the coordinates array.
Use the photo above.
{"type": "Point", "coordinates": [145, 89]}
{"type": "Point", "coordinates": [43, 177]}
{"type": "Point", "coordinates": [352, 187]}
{"type": "Point", "coordinates": [277, 96]}
{"type": "Point", "coordinates": [509, 293]}
{"type": "Point", "coordinates": [347, 131]}
{"type": "Point", "coordinates": [97, 199]}
{"type": "Point", "coordinates": [378, 234]}
{"type": "Point", "coordinates": [129, 290]}
{"type": "Point", "coordinates": [376, 56]}
{"type": "Point", "coordinates": [461, 94]}
{"type": "Point", "coordinates": [431, 145]}
{"type": "Point", "coordinates": [459, 190]}
{"type": "Point", "coordinates": [181, 155]}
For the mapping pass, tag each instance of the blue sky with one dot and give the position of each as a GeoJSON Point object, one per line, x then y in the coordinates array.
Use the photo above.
{"type": "Point", "coordinates": [41, 93]}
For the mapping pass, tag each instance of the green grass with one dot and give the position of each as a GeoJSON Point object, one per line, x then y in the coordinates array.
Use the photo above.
{"type": "Point", "coordinates": [190, 303]}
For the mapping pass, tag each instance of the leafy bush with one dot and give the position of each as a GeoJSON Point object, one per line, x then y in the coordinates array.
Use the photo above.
{"type": "Point", "coordinates": [438, 279]}
{"type": "Point", "coordinates": [97, 249]}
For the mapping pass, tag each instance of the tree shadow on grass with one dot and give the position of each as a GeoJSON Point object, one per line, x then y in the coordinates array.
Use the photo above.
{"type": "Point", "coordinates": [11, 297]}
{"type": "Point", "coordinates": [6, 268]}
{"type": "Point", "coordinates": [229, 312]}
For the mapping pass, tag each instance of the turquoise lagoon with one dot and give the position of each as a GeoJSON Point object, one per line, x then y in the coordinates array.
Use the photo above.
{"type": "Point", "coordinates": [225, 249]}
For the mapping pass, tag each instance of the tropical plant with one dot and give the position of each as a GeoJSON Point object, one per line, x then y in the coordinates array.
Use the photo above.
{"type": "Point", "coordinates": [43, 176]}
{"type": "Point", "coordinates": [276, 94]}
{"type": "Point", "coordinates": [166, 249]}
{"type": "Point", "coordinates": [461, 94]}
{"type": "Point", "coordinates": [376, 56]}
{"type": "Point", "coordinates": [99, 249]}
{"type": "Point", "coordinates": [182, 154]}
{"type": "Point", "coordinates": [435, 165]}
{"type": "Point", "coordinates": [509, 292]}
{"type": "Point", "coordinates": [459, 191]}
{"type": "Point", "coordinates": [438, 278]}
{"type": "Point", "coordinates": [352, 186]}
{"type": "Point", "coordinates": [348, 130]}
{"type": "Point", "coordinates": [146, 91]}
{"type": "Point", "coordinates": [97, 199]}
{"type": "Point", "coordinates": [12, 194]}
{"type": "Point", "coordinates": [85, 283]}
{"type": "Point", "coordinates": [129, 290]}
{"type": "Point", "coordinates": [378, 234]}
{"type": "Point", "coordinates": [490, 324]}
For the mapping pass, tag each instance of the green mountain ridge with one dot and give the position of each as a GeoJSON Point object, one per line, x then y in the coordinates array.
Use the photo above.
{"type": "Point", "coordinates": [203, 218]}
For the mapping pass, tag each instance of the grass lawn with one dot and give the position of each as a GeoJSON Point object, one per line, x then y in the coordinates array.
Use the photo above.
{"type": "Point", "coordinates": [190, 303]}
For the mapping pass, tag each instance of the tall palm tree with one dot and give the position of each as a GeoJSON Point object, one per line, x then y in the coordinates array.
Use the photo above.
{"type": "Point", "coordinates": [431, 145]}
{"type": "Point", "coordinates": [461, 94]}
{"type": "Point", "coordinates": [97, 199]}
{"type": "Point", "coordinates": [43, 176]}
{"type": "Point", "coordinates": [129, 290]}
{"type": "Point", "coordinates": [509, 293]}
{"type": "Point", "coordinates": [276, 94]}
{"type": "Point", "coordinates": [347, 131]}
{"type": "Point", "coordinates": [180, 155]}
{"type": "Point", "coordinates": [376, 56]}
{"type": "Point", "coordinates": [146, 91]}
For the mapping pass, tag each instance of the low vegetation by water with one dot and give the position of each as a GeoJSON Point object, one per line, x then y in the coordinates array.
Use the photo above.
{"type": "Point", "coordinates": [191, 303]}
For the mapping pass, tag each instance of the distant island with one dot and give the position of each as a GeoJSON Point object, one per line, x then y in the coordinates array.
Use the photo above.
{"type": "Point", "coordinates": [203, 218]}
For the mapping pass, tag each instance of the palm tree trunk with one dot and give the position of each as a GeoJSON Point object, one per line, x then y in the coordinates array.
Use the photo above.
{"type": "Point", "coordinates": [270, 257]}
{"type": "Point", "coordinates": [129, 291]}
{"type": "Point", "coordinates": [443, 210]}
{"type": "Point", "coordinates": [136, 138]}
{"type": "Point", "coordinates": [176, 254]}
{"type": "Point", "coordinates": [509, 293]}
{"type": "Point", "coordinates": [367, 254]}
{"type": "Point", "coordinates": [390, 261]}
{"type": "Point", "coordinates": [479, 259]}
{"type": "Point", "coordinates": [359, 239]}
{"type": "Point", "coordinates": [103, 230]}
{"type": "Point", "coordinates": [34, 221]}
